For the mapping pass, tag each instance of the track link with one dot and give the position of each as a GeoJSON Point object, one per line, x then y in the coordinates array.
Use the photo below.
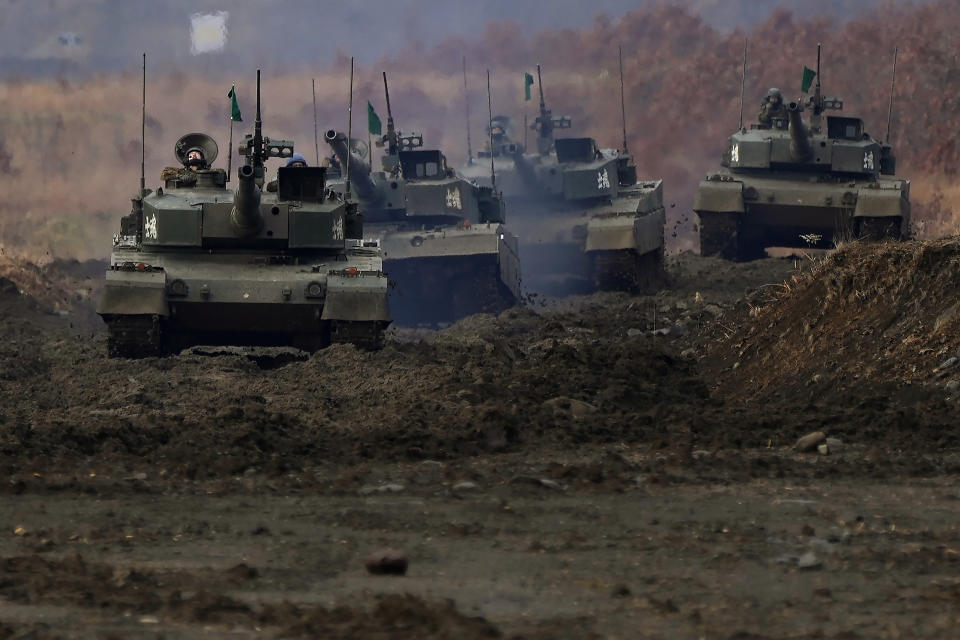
{"type": "Point", "coordinates": [135, 336]}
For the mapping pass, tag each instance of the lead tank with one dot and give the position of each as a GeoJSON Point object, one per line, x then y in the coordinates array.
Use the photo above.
{"type": "Point", "coordinates": [446, 248]}
{"type": "Point", "coordinates": [801, 184]}
{"type": "Point", "coordinates": [584, 220]}
{"type": "Point", "coordinates": [198, 263]}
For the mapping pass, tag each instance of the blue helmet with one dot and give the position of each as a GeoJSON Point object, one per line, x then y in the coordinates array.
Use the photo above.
{"type": "Point", "coordinates": [296, 158]}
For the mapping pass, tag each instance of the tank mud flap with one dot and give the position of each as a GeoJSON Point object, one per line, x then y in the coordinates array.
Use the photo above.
{"type": "Point", "coordinates": [719, 196]}
{"type": "Point", "coordinates": [356, 305]}
{"type": "Point", "coordinates": [641, 233]}
{"type": "Point", "coordinates": [879, 203]}
{"type": "Point", "coordinates": [134, 293]}
{"type": "Point", "coordinates": [648, 232]}
{"type": "Point", "coordinates": [509, 262]}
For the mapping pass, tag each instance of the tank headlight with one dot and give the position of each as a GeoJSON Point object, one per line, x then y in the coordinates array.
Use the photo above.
{"type": "Point", "coordinates": [178, 288]}
{"type": "Point", "coordinates": [314, 290]}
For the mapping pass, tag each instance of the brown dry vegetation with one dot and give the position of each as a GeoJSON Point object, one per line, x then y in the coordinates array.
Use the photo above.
{"type": "Point", "coordinates": [69, 148]}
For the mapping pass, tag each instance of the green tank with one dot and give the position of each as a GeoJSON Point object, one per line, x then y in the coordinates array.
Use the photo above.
{"type": "Point", "coordinates": [446, 248]}
{"type": "Point", "coordinates": [790, 183]}
{"type": "Point", "coordinates": [198, 263]}
{"type": "Point", "coordinates": [584, 220]}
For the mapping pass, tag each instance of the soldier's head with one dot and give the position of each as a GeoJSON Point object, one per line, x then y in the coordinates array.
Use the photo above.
{"type": "Point", "coordinates": [500, 129]}
{"type": "Point", "coordinates": [774, 97]}
{"type": "Point", "coordinates": [195, 159]}
{"type": "Point", "coordinates": [296, 160]}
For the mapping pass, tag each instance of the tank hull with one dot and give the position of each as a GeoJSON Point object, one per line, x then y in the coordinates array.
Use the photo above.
{"type": "Point", "coordinates": [449, 272]}
{"type": "Point", "coordinates": [569, 246]}
{"type": "Point", "coordinates": [740, 215]}
{"type": "Point", "coordinates": [157, 302]}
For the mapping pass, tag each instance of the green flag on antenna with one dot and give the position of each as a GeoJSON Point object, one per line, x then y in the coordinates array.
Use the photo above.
{"type": "Point", "coordinates": [527, 81]}
{"type": "Point", "coordinates": [373, 121]}
{"type": "Point", "coordinates": [808, 75]}
{"type": "Point", "coordinates": [234, 107]}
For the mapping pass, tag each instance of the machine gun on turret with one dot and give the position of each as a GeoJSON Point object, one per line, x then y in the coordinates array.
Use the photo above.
{"type": "Point", "coordinates": [393, 140]}
{"type": "Point", "coordinates": [245, 218]}
{"type": "Point", "coordinates": [818, 103]}
{"type": "Point", "coordinates": [546, 122]}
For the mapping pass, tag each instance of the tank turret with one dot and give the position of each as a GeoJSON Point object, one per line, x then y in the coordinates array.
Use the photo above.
{"type": "Point", "coordinates": [800, 149]}
{"type": "Point", "coordinates": [245, 218]}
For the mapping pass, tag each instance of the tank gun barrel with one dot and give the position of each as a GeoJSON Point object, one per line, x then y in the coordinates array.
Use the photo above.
{"type": "Point", "coordinates": [359, 171]}
{"type": "Point", "coordinates": [800, 149]}
{"type": "Point", "coordinates": [526, 170]}
{"type": "Point", "coordinates": [245, 218]}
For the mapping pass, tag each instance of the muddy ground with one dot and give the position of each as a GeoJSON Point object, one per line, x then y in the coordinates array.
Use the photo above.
{"type": "Point", "coordinates": [608, 466]}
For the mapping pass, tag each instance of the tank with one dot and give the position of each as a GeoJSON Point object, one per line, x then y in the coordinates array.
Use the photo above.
{"type": "Point", "coordinates": [793, 183]}
{"type": "Point", "coordinates": [584, 221]}
{"type": "Point", "coordinates": [446, 248]}
{"type": "Point", "coordinates": [196, 262]}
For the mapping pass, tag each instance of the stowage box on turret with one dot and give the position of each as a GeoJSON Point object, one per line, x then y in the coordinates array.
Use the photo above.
{"type": "Point", "coordinates": [446, 248]}
{"type": "Point", "coordinates": [198, 263]}
{"type": "Point", "coordinates": [584, 220]}
{"type": "Point", "coordinates": [788, 183]}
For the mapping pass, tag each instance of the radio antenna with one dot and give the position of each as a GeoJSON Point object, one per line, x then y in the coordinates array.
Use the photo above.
{"type": "Point", "coordinates": [893, 80]}
{"type": "Point", "coordinates": [143, 129]}
{"type": "Point", "coordinates": [493, 173]}
{"type": "Point", "coordinates": [346, 191]}
{"type": "Point", "coordinates": [316, 145]}
{"type": "Point", "coordinates": [466, 103]}
{"type": "Point", "coordinates": [623, 105]}
{"type": "Point", "coordinates": [743, 80]}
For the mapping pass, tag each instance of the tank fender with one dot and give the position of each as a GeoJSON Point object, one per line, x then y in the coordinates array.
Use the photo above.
{"type": "Point", "coordinates": [648, 232]}
{"type": "Point", "coordinates": [719, 195]}
{"type": "Point", "coordinates": [134, 293]}
{"type": "Point", "coordinates": [359, 298]}
{"type": "Point", "coordinates": [881, 203]}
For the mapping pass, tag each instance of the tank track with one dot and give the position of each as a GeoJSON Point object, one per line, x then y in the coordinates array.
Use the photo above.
{"type": "Point", "coordinates": [725, 235]}
{"type": "Point", "coordinates": [626, 271]}
{"type": "Point", "coordinates": [879, 229]}
{"type": "Point", "coordinates": [136, 336]}
{"type": "Point", "coordinates": [368, 336]}
{"type": "Point", "coordinates": [482, 292]}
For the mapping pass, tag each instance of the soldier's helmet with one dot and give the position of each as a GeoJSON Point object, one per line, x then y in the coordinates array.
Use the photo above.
{"type": "Point", "coordinates": [296, 160]}
{"type": "Point", "coordinates": [774, 96]}
{"type": "Point", "coordinates": [501, 128]}
{"type": "Point", "coordinates": [195, 158]}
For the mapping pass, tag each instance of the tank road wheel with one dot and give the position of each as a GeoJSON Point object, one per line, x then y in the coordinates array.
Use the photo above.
{"type": "Point", "coordinates": [368, 336]}
{"type": "Point", "coordinates": [626, 271]}
{"type": "Point", "coordinates": [726, 236]}
{"type": "Point", "coordinates": [139, 336]}
{"type": "Point", "coordinates": [878, 229]}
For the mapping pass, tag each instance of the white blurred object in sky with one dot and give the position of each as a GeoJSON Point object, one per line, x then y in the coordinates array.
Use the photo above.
{"type": "Point", "coordinates": [208, 32]}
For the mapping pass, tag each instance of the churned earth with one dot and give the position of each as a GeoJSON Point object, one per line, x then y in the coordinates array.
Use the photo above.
{"type": "Point", "coordinates": [607, 466]}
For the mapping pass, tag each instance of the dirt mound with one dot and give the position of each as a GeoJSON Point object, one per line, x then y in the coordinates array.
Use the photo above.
{"type": "Point", "coordinates": [863, 343]}
{"type": "Point", "coordinates": [67, 288]}
{"type": "Point", "coordinates": [868, 312]}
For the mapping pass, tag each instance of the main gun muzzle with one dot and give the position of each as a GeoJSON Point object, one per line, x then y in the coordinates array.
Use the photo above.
{"type": "Point", "coordinates": [245, 218]}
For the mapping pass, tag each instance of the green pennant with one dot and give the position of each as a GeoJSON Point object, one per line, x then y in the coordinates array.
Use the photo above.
{"type": "Point", "coordinates": [808, 75]}
{"type": "Point", "coordinates": [234, 107]}
{"type": "Point", "coordinates": [527, 82]}
{"type": "Point", "coordinates": [373, 121]}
